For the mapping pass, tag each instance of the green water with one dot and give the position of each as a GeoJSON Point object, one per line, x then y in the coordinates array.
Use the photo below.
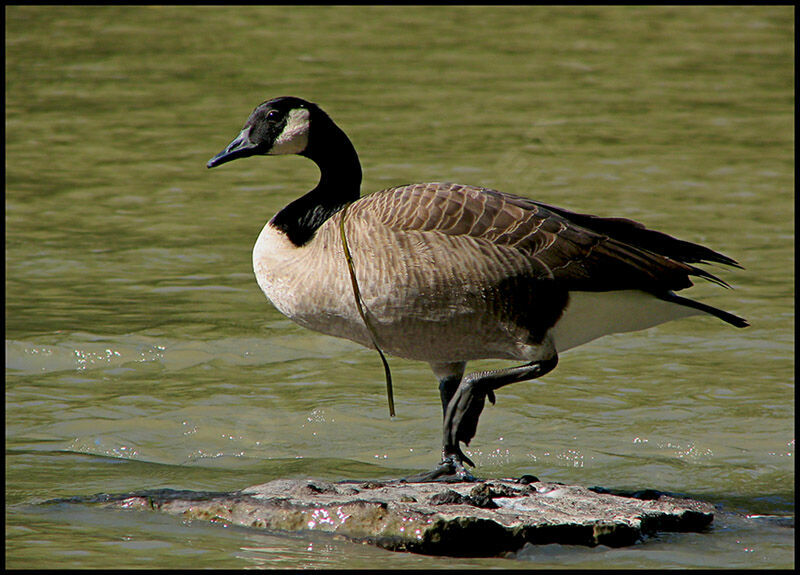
{"type": "Point", "coordinates": [141, 354]}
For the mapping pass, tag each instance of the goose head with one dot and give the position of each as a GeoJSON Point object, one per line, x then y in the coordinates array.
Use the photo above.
{"type": "Point", "coordinates": [278, 126]}
{"type": "Point", "coordinates": [290, 125]}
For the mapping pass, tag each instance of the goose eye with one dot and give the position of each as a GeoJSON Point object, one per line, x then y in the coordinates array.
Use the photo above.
{"type": "Point", "coordinates": [273, 116]}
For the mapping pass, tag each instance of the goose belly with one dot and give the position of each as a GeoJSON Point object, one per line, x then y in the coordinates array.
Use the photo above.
{"type": "Point", "coordinates": [413, 316]}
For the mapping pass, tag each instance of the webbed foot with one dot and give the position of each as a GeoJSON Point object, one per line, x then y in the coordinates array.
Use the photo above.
{"type": "Point", "coordinates": [450, 470]}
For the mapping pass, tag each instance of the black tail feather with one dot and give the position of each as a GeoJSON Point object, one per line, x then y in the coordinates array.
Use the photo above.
{"type": "Point", "coordinates": [732, 319]}
{"type": "Point", "coordinates": [636, 234]}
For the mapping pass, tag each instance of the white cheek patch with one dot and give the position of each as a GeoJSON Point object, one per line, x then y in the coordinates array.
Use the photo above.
{"type": "Point", "coordinates": [294, 137]}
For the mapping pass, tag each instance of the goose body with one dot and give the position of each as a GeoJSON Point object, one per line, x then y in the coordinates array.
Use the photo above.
{"type": "Point", "coordinates": [450, 273]}
{"type": "Point", "coordinates": [439, 294]}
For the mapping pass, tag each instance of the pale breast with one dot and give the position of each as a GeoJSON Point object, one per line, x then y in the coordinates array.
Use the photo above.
{"type": "Point", "coordinates": [306, 283]}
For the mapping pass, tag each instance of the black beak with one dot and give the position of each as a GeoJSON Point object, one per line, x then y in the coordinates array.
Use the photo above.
{"type": "Point", "coordinates": [240, 147]}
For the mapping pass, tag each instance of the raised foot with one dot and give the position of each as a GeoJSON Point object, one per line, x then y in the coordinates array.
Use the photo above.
{"type": "Point", "coordinates": [463, 411]}
{"type": "Point", "coordinates": [466, 402]}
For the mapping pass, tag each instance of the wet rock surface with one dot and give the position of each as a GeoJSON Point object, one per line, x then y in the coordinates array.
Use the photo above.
{"type": "Point", "coordinates": [481, 518]}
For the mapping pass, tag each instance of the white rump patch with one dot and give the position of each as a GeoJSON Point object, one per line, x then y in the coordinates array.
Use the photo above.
{"type": "Point", "coordinates": [294, 137]}
{"type": "Point", "coordinates": [590, 315]}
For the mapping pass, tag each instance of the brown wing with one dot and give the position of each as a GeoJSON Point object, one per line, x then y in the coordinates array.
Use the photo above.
{"type": "Point", "coordinates": [579, 251]}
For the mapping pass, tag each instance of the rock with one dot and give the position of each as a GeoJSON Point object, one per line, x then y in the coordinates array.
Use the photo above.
{"type": "Point", "coordinates": [461, 519]}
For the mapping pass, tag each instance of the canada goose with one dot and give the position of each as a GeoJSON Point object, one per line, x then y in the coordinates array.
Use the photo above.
{"type": "Point", "coordinates": [450, 273]}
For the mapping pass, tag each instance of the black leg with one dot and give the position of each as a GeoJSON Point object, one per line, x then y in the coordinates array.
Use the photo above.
{"type": "Point", "coordinates": [463, 398]}
{"type": "Point", "coordinates": [465, 406]}
{"type": "Point", "coordinates": [447, 389]}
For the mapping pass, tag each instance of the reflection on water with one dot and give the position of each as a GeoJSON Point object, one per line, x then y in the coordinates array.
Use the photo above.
{"type": "Point", "coordinates": [141, 354]}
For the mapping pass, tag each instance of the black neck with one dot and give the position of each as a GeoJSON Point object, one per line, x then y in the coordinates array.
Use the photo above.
{"type": "Point", "coordinates": [339, 184]}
